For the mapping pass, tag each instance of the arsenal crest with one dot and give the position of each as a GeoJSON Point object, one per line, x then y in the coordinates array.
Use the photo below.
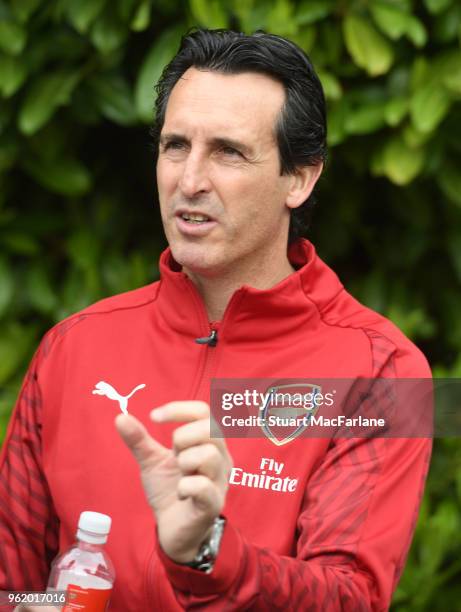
{"type": "Point", "coordinates": [288, 410]}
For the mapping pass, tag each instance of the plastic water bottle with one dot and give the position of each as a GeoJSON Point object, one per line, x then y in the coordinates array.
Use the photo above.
{"type": "Point", "coordinates": [85, 571]}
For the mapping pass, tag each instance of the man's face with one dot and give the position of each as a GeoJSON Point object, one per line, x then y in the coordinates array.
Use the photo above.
{"type": "Point", "coordinates": [222, 199]}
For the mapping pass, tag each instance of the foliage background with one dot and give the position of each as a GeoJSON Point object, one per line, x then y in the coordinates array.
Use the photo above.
{"type": "Point", "coordinates": [78, 215]}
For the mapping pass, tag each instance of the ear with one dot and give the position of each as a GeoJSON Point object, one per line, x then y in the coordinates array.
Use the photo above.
{"type": "Point", "coordinates": [302, 184]}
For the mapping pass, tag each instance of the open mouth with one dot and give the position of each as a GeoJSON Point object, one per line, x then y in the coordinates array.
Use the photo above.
{"type": "Point", "coordinates": [195, 219]}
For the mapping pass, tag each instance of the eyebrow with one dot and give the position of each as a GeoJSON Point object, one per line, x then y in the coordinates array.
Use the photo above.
{"type": "Point", "coordinates": [218, 141]}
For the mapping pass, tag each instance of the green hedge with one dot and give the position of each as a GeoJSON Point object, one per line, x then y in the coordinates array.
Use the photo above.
{"type": "Point", "coordinates": [78, 210]}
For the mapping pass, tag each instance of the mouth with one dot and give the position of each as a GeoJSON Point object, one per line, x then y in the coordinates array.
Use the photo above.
{"type": "Point", "coordinates": [194, 224]}
{"type": "Point", "coordinates": [194, 218]}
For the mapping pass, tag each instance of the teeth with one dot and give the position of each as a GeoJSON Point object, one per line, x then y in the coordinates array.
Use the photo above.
{"type": "Point", "coordinates": [195, 218]}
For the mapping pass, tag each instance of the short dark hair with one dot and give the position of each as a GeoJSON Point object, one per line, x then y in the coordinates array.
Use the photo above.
{"type": "Point", "coordinates": [301, 126]}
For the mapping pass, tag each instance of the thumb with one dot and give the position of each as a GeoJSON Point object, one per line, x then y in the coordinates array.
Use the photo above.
{"type": "Point", "coordinates": [145, 449]}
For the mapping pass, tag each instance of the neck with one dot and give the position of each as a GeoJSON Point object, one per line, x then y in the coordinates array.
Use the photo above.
{"type": "Point", "coordinates": [217, 291]}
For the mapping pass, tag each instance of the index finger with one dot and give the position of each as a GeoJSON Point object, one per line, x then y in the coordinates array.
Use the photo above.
{"type": "Point", "coordinates": [181, 412]}
{"type": "Point", "coordinates": [188, 411]}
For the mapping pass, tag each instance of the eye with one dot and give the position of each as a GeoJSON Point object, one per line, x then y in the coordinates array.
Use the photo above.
{"type": "Point", "coordinates": [230, 151]}
{"type": "Point", "coordinates": [173, 145]}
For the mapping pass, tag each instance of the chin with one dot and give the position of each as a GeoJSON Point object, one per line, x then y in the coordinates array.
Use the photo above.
{"type": "Point", "coordinates": [196, 258]}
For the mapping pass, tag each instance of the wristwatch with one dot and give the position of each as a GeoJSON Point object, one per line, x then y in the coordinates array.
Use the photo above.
{"type": "Point", "coordinates": [205, 559]}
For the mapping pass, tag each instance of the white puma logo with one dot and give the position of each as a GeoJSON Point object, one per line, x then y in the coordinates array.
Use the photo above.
{"type": "Point", "coordinates": [103, 388]}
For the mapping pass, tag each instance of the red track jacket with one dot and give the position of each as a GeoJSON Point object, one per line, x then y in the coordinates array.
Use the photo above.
{"type": "Point", "coordinates": [337, 542]}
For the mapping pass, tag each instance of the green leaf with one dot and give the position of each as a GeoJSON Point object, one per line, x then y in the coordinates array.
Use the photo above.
{"type": "Point", "coordinates": [458, 485]}
{"type": "Point", "coordinates": [123, 273]}
{"type": "Point", "coordinates": [208, 13]}
{"type": "Point", "coordinates": [369, 49]}
{"type": "Point", "coordinates": [400, 162]}
{"type": "Point", "coordinates": [453, 82]}
{"type": "Point", "coordinates": [158, 56]}
{"type": "Point", "coordinates": [12, 37]}
{"type": "Point", "coordinates": [428, 107]}
{"type": "Point", "coordinates": [84, 108]}
{"type": "Point", "coordinates": [83, 249]}
{"type": "Point", "coordinates": [64, 49]}
{"type": "Point", "coordinates": [15, 344]}
{"type": "Point", "coordinates": [82, 13]}
{"type": "Point", "coordinates": [310, 11]}
{"type": "Point", "coordinates": [437, 6]}
{"type": "Point", "coordinates": [420, 73]}
{"type": "Point", "coordinates": [74, 295]}
{"type": "Point", "coordinates": [455, 255]}
{"type": "Point", "coordinates": [413, 137]}
{"type": "Point", "coordinates": [12, 75]}
{"type": "Point", "coordinates": [449, 179]}
{"type": "Point", "coordinates": [398, 81]}
{"type": "Point", "coordinates": [330, 46]}
{"type": "Point", "coordinates": [141, 18]}
{"type": "Point", "coordinates": [8, 396]}
{"type": "Point", "coordinates": [44, 97]}
{"type": "Point", "coordinates": [304, 37]}
{"type": "Point", "coordinates": [114, 98]}
{"type": "Point", "coordinates": [39, 290]}
{"type": "Point", "coordinates": [377, 166]}
{"type": "Point", "coordinates": [391, 19]}
{"type": "Point", "coordinates": [23, 9]}
{"type": "Point", "coordinates": [331, 85]}
{"type": "Point", "coordinates": [439, 535]}
{"type": "Point", "coordinates": [414, 322]}
{"type": "Point", "coordinates": [249, 14]}
{"type": "Point", "coordinates": [52, 142]}
{"type": "Point", "coordinates": [373, 290]}
{"type": "Point", "coordinates": [6, 285]}
{"type": "Point", "coordinates": [279, 19]}
{"type": "Point", "coordinates": [337, 117]}
{"type": "Point", "coordinates": [395, 21]}
{"type": "Point", "coordinates": [448, 67]}
{"type": "Point", "coordinates": [125, 9]}
{"type": "Point", "coordinates": [20, 243]}
{"type": "Point", "coordinates": [416, 31]}
{"type": "Point", "coordinates": [9, 147]}
{"type": "Point", "coordinates": [63, 176]}
{"type": "Point", "coordinates": [395, 110]}
{"type": "Point", "coordinates": [445, 27]}
{"type": "Point", "coordinates": [108, 33]}
{"type": "Point", "coordinates": [5, 116]}
{"type": "Point", "coordinates": [365, 119]}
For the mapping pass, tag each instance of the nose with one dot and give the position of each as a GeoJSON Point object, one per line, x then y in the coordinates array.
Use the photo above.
{"type": "Point", "coordinates": [194, 179]}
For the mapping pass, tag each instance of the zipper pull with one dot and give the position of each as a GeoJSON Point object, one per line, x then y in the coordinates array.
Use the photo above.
{"type": "Point", "coordinates": [211, 340]}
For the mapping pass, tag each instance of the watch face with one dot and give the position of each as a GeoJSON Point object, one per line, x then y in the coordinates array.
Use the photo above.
{"type": "Point", "coordinates": [216, 536]}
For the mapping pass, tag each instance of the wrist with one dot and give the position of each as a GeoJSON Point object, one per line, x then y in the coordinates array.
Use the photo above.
{"type": "Point", "coordinates": [227, 568]}
{"type": "Point", "coordinates": [205, 557]}
{"type": "Point", "coordinates": [183, 550]}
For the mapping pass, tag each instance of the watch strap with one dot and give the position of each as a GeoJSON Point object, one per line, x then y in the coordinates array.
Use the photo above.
{"type": "Point", "coordinates": [205, 559]}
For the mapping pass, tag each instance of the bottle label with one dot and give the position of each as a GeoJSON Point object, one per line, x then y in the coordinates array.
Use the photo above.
{"type": "Point", "coordinates": [86, 599]}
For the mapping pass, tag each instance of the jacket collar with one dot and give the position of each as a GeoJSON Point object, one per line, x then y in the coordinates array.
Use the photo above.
{"type": "Point", "coordinates": [252, 314]}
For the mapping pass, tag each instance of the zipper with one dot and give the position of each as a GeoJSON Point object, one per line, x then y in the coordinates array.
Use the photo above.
{"type": "Point", "coordinates": [211, 340]}
{"type": "Point", "coordinates": [210, 347]}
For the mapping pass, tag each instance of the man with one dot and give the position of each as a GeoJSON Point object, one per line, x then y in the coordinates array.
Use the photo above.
{"type": "Point", "coordinates": [241, 134]}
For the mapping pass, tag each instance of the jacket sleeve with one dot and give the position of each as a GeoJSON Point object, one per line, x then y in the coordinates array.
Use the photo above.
{"type": "Point", "coordinates": [28, 523]}
{"type": "Point", "coordinates": [354, 531]}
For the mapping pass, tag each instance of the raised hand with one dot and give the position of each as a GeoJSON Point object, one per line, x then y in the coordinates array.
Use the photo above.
{"type": "Point", "coordinates": [185, 486]}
